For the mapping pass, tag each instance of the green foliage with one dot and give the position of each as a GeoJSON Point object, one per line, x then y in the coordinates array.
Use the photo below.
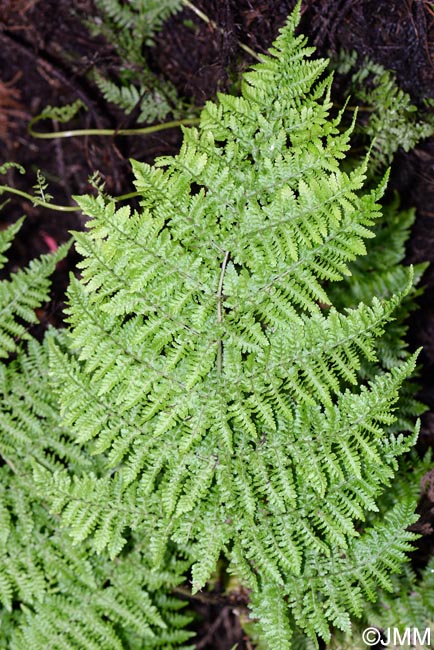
{"type": "Point", "coordinates": [71, 600]}
{"type": "Point", "coordinates": [141, 18]}
{"type": "Point", "coordinates": [209, 371]}
{"type": "Point", "coordinates": [61, 113]}
{"type": "Point", "coordinates": [389, 120]}
{"type": "Point", "coordinates": [409, 603]}
{"type": "Point", "coordinates": [6, 238]}
{"type": "Point", "coordinates": [23, 293]}
{"type": "Point", "coordinates": [230, 384]}
{"type": "Point", "coordinates": [131, 27]}
{"type": "Point", "coordinates": [381, 273]}
{"type": "Point", "coordinates": [4, 168]}
{"type": "Point", "coordinates": [40, 188]}
{"type": "Point", "coordinates": [55, 594]}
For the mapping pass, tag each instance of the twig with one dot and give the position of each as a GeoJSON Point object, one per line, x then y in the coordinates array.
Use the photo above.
{"type": "Point", "coordinates": [212, 628]}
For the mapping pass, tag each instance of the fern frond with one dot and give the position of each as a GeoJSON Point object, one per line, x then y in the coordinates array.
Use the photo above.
{"type": "Point", "coordinates": [153, 98]}
{"type": "Point", "coordinates": [99, 604]}
{"type": "Point", "coordinates": [145, 16]}
{"type": "Point", "coordinates": [4, 168]}
{"type": "Point", "coordinates": [227, 385]}
{"type": "Point", "coordinates": [40, 188]}
{"type": "Point", "coordinates": [407, 604]}
{"type": "Point", "coordinates": [212, 374]}
{"type": "Point", "coordinates": [393, 121]}
{"type": "Point", "coordinates": [67, 596]}
{"type": "Point", "coordinates": [274, 623]}
{"type": "Point", "coordinates": [6, 237]}
{"type": "Point", "coordinates": [21, 295]}
{"type": "Point", "coordinates": [131, 27]}
{"type": "Point", "coordinates": [62, 113]}
{"type": "Point", "coordinates": [347, 579]}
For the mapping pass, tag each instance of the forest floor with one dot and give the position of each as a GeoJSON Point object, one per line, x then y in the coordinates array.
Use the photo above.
{"type": "Point", "coordinates": [46, 54]}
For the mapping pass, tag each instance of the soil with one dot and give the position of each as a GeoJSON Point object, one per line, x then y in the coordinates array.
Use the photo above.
{"type": "Point", "coordinates": [46, 54]}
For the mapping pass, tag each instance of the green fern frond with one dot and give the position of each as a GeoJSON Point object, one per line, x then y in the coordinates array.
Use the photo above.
{"type": "Point", "coordinates": [21, 295]}
{"type": "Point", "coordinates": [154, 99]}
{"type": "Point", "coordinates": [227, 385]}
{"type": "Point", "coordinates": [131, 27]}
{"type": "Point", "coordinates": [83, 602]}
{"type": "Point", "coordinates": [410, 603]}
{"type": "Point", "coordinates": [67, 596]}
{"type": "Point", "coordinates": [52, 593]}
{"type": "Point", "coordinates": [6, 238]}
{"type": "Point", "coordinates": [62, 113]}
{"type": "Point", "coordinates": [142, 16]}
{"type": "Point", "coordinates": [40, 188]}
{"type": "Point", "coordinates": [214, 377]}
{"type": "Point", "coordinates": [4, 168]}
{"type": "Point", "coordinates": [407, 602]}
{"type": "Point", "coordinates": [381, 273]}
{"type": "Point", "coordinates": [334, 588]}
{"type": "Point", "coordinates": [391, 121]}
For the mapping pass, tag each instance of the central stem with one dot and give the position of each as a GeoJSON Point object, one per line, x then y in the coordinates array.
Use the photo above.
{"type": "Point", "coordinates": [220, 311]}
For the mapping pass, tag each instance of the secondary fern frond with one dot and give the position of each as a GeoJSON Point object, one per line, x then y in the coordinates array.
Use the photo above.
{"type": "Point", "coordinates": [68, 597]}
{"type": "Point", "coordinates": [23, 293]}
{"type": "Point", "coordinates": [131, 27]}
{"type": "Point", "coordinates": [145, 16]}
{"type": "Point", "coordinates": [407, 602]}
{"type": "Point", "coordinates": [63, 113]}
{"type": "Point", "coordinates": [40, 188]}
{"type": "Point", "coordinates": [153, 99]}
{"type": "Point", "coordinates": [392, 121]}
{"type": "Point", "coordinates": [6, 238]}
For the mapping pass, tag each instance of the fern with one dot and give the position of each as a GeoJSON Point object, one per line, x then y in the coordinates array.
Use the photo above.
{"type": "Point", "coordinates": [4, 168]}
{"type": "Point", "coordinates": [225, 397]}
{"type": "Point", "coordinates": [141, 16]}
{"type": "Point", "coordinates": [408, 604]}
{"type": "Point", "coordinates": [131, 27]}
{"type": "Point", "coordinates": [6, 238]}
{"type": "Point", "coordinates": [40, 188]}
{"type": "Point", "coordinates": [61, 113]}
{"type": "Point", "coordinates": [153, 101]}
{"type": "Point", "coordinates": [381, 273]}
{"type": "Point", "coordinates": [54, 594]}
{"type": "Point", "coordinates": [23, 293]}
{"type": "Point", "coordinates": [227, 385]}
{"type": "Point", "coordinates": [69, 598]}
{"type": "Point", "coordinates": [389, 118]}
